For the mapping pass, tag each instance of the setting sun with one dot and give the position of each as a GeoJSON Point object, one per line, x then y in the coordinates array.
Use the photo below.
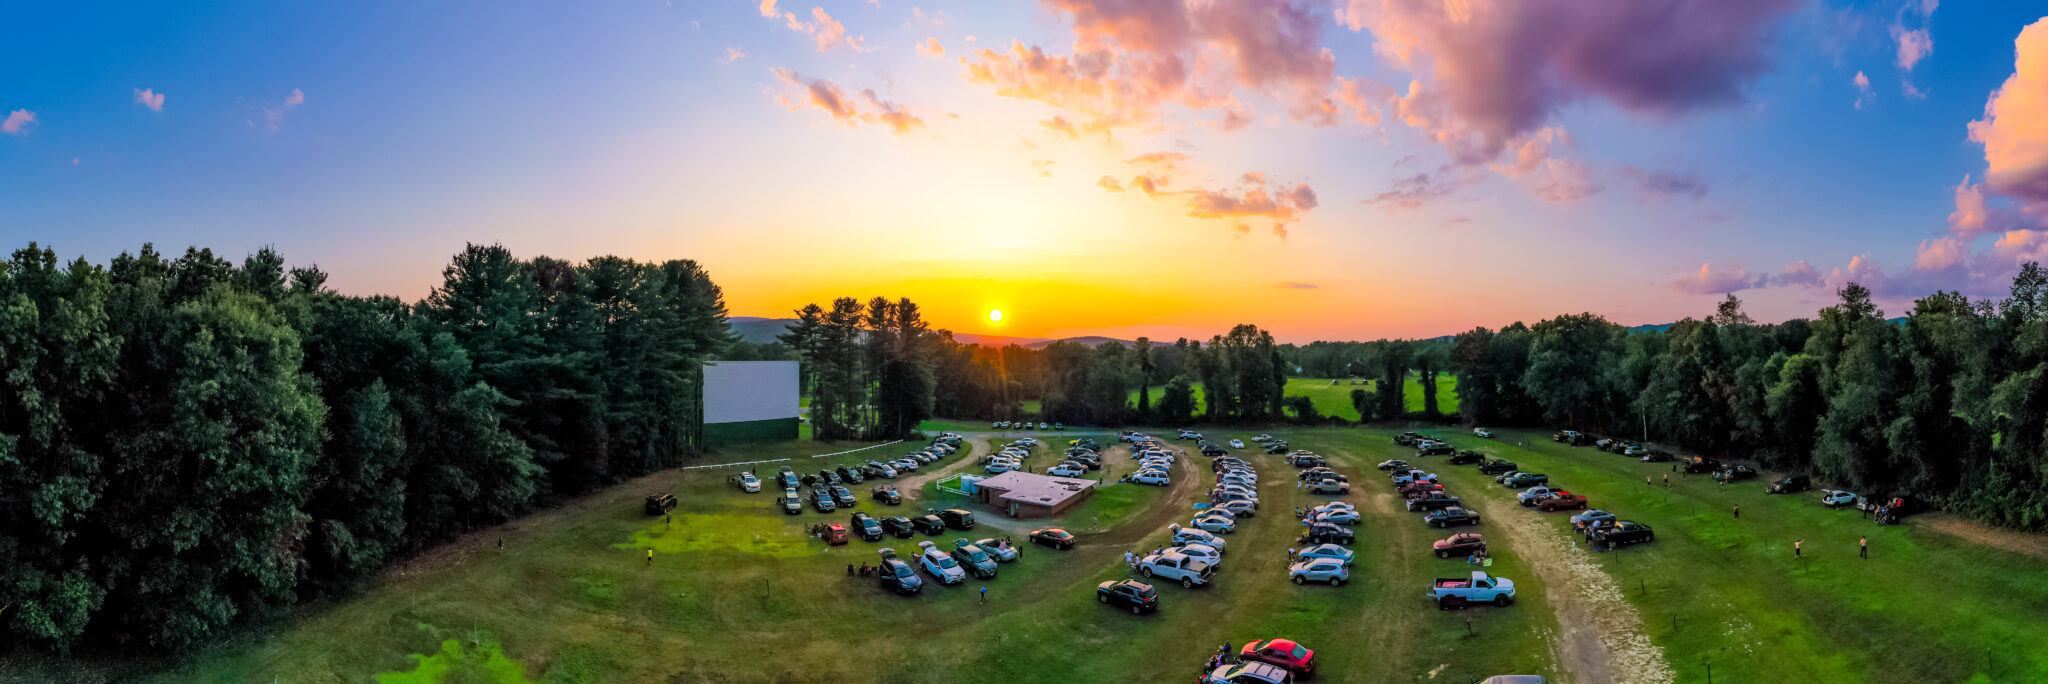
{"type": "Point", "coordinates": [995, 315]}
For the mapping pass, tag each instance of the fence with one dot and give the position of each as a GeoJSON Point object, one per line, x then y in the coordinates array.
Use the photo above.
{"type": "Point", "coordinates": [865, 448]}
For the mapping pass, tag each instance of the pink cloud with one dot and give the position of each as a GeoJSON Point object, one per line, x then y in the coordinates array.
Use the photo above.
{"type": "Point", "coordinates": [271, 116]}
{"type": "Point", "coordinates": [1710, 280]}
{"type": "Point", "coordinates": [1799, 273]}
{"type": "Point", "coordinates": [931, 48]}
{"type": "Point", "coordinates": [1414, 191]}
{"type": "Point", "coordinates": [1914, 45]}
{"type": "Point", "coordinates": [1663, 185]}
{"type": "Point", "coordinates": [148, 97]}
{"type": "Point", "coordinates": [1109, 183]}
{"type": "Point", "coordinates": [2013, 134]}
{"type": "Point", "coordinates": [18, 122]}
{"type": "Point", "coordinates": [1494, 70]}
{"type": "Point", "coordinates": [1864, 95]}
{"type": "Point", "coordinates": [826, 96]}
{"type": "Point", "coordinates": [733, 54]}
{"type": "Point", "coordinates": [1940, 254]}
{"type": "Point", "coordinates": [768, 9]}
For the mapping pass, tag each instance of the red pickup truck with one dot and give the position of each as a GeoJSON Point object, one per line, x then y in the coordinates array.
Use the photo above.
{"type": "Point", "coordinates": [1563, 501]}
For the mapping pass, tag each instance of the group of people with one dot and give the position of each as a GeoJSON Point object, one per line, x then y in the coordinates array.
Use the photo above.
{"type": "Point", "coordinates": [1223, 656]}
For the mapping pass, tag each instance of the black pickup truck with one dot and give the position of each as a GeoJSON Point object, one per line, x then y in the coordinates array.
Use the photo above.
{"type": "Point", "coordinates": [1497, 467]}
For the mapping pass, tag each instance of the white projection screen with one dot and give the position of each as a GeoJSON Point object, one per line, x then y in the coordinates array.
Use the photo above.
{"type": "Point", "coordinates": [744, 391]}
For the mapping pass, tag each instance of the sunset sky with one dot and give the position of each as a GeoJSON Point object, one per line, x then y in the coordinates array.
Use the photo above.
{"type": "Point", "coordinates": [1328, 170]}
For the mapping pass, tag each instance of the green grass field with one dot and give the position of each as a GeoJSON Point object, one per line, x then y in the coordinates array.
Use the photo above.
{"type": "Point", "coordinates": [739, 593]}
{"type": "Point", "coordinates": [1333, 397]}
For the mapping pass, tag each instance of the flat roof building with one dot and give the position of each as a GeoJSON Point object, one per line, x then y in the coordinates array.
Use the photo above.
{"type": "Point", "coordinates": [1030, 495]}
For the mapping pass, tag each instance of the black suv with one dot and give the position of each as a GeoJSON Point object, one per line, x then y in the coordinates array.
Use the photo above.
{"type": "Point", "coordinates": [1464, 457]}
{"type": "Point", "coordinates": [957, 518]}
{"type": "Point", "coordinates": [821, 499]}
{"type": "Point", "coordinates": [849, 475]}
{"type": "Point", "coordinates": [828, 477]}
{"type": "Point", "coordinates": [867, 527]}
{"type": "Point", "coordinates": [1328, 533]}
{"type": "Point", "coordinates": [843, 497]}
{"type": "Point", "coordinates": [886, 494]}
{"type": "Point", "coordinates": [1788, 485]}
{"type": "Point", "coordinates": [897, 575]}
{"type": "Point", "coordinates": [898, 526]}
{"type": "Point", "coordinates": [1135, 595]}
{"type": "Point", "coordinates": [1437, 449]}
{"type": "Point", "coordinates": [929, 524]}
{"type": "Point", "coordinates": [1734, 473]}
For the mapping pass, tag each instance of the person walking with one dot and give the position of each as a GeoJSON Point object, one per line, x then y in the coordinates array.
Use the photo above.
{"type": "Point", "coordinates": [1738, 511]}
{"type": "Point", "coordinates": [984, 595]}
{"type": "Point", "coordinates": [650, 558]}
{"type": "Point", "coordinates": [1863, 547]}
{"type": "Point", "coordinates": [1646, 480]}
{"type": "Point", "coordinates": [1667, 480]}
{"type": "Point", "coordinates": [1130, 560]}
{"type": "Point", "coordinates": [849, 571]}
{"type": "Point", "coordinates": [1796, 548]}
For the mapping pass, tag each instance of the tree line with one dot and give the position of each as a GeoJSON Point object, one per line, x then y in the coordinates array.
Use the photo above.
{"type": "Point", "coordinates": [186, 442]}
{"type": "Point", "coordinates": [1948, 403]}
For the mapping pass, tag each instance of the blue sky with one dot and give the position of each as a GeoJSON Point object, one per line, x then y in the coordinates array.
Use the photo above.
{"type": "Point", "coordinates": [579, 129]}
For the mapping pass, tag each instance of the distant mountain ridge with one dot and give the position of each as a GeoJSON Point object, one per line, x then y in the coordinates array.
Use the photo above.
{"type": "Point", "coordinates": [759, 330]}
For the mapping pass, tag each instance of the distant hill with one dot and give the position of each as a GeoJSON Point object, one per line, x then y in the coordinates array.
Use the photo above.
{"type": "Point", "coordinates": [758, 330]}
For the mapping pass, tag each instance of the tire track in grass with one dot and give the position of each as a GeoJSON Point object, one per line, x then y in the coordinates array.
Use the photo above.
{"type": "Point", "coordinates": [1601, 637]}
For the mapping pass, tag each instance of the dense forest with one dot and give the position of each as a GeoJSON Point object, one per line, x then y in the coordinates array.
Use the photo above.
{"type": "Point", "coordinates": [1948, 403]}
{"type": "Point", "coordinates": [185, 443]}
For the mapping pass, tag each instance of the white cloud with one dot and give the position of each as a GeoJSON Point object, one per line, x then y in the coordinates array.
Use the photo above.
{"type": "Point", "coordinates": [148, 97]}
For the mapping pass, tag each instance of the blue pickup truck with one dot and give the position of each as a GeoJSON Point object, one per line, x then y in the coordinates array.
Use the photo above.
{"type": "Point", "coordinates": [1452, 592]}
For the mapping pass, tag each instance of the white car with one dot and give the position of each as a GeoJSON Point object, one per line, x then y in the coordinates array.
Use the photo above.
{"type": "Point", "coordinates": [1341, 517]}
{"type": "Point", "coordinates": [1152, 477]}
{"type": "Point", "coordinates": [1320, 570]}
{"type": "Point", "coordinates": [999, 467]}
{"type": "Point", "coordinates": [1043, 426]}
{"type": "Point", "coordinates": [1223, 523]}
{"type": "Point", "coordinates": [1188, 535]}
{"type": "Point", "coordinates": [1001, 424]}
{"type": "Point", "coordinates": [1239, 481]}
{"type": "Point", "coordinates": [1200, 552]}
{"type": "Point", "coordinates": [940, 564]}
{"type": "Point", "coordinates": [1482, 432]}
{"type": "Point", "coordinates": [1173, 566]}
{"type": "Point", "coordinates": [1331, 551]}
{"type": "Point", "coordinates": [905, 464]}
{"type": "Point", "coordinates": [1028, 441]}
{"type": "Point", "coordinates": [1837, 497]}
{"type": "Point", "coordinates": [1067, 470]}
{"type": "Point", "coordinates": [1237, 444]}
{"type": "Point", "coordinates": [1240, 508]}
{"type": "Point", "coordinates": [749, 483]}
{"type": "Point", "coordinates": [1263, 437]}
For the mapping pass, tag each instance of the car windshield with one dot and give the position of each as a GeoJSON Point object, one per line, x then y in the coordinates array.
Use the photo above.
{"type": "Point", "coordinates": [946, 562]}
{"type": "Point", "coordinates": [904, 571]}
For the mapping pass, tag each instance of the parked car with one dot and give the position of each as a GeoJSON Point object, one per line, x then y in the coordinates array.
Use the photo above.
{"type": "Point", "coordinates": [1339, 516]}
{"type": "Point", "coordinates": [1281, 653]}
{"type": "Point", "coordinates": [974, 560]}
{"type": "Point", "coordinates": [898, 527]}
{"type": "Point", "coordinates": [1699, 464]}
{"type": "Point", "coordinates": [1067, 470]}
{"type": "Point", "coordinates": [1479, 588]}
{"type": "Point", "coordinates": [1411, 475]}
{"type": "Point", "coordinates": [792, 503]}
{"type": "Point", "coordinates": [1433, 501]}
{"type": "Point", "coordinates": [1305, 460]}
{"type": "Point", "coordinates": [1263, 437]}
{"type": "Point", "coordinates": [1482, 433]}
{"type": "Point", "coordinates": [1561, 501]}
{"type": "Point", "coordinates": [749, 483]}
{"type": "Point", "coordinates": [828, 477]}
{"type": "Point", "coordinates": [1053, 537]}
{"type": "Point", "coordinates": [998, 549]}
{"type": "Point", "coordinates": [850, 475]}
{"type": "Point", "coordinates": [1836, 498]}
{"type": "Point", "coordinates": [1455, 515]}
{"type": "Point", "coordinates": [931, 525]}
{"type": "Point", "coordinates": [660, 504]}
{"type": "Point", "coordinates": [1627, 532]}
{"type": "Point", "coordinates": [1791, 484]}
{"type": "Point", "coordinates": [1734, 473]}
{"type": "Point", "coordinates": [1135, 595]}
{"type": "Point", "coordinates": [1319, 570]}
{"type": "Point", "coordinates": [788, 478]}
{"type": "Point", "coordinates": [1655, 456]}
{"type": "Point", "coordinates": [940, 564]}
{"type": "Point", "coordinates": [1590, 516]}
{"type": "Point", "coordinates": [1221, 524]}
{"type": "Point", "coordinates": [821, 499]}
{"type": "Point", "coordinates": [1249, 673]}
{"type": "Point", "coordinates": [1200, 552]}
{"type": "Point", "coordinates": [1464, 457]}
{"type": "Point", "coordinates": [867, 527]}
{"type": "Point", "coordinates": [1436, 449]}
{"type": "Point", "coordinates": [897, 575]}
{"type": "Point", "coordinates": [1329, 486]}
{"type": "Point", "coordinates": [842, 497]}
{"type": "Point", "coordinates": [1331, 551]}
{"type": "Point", "coordinates": [1526, 480]}
{"type": "Point", "coordinates": [1391, 464]}
{"type": "Point", "coordinates": [957, 518]}
{"type": "Point", "coordinates": [1497, 467]}
{"type": "Point", "coordinates": [1188, 535]}
{"type": "Point", "coordinates": [886, 494]}
{"type": "Point", "coordinates": [1533, 495]}
{"type": "Point", "coordinates": [1326, 533]}
{"type": "Point", "coordinates": [1178, 567]}
{"type": "Point", "coordinates": [1407, 438]}
{"type": "Point", "coordinates": [1237, 444]}
{"type": "Point", "coordinates": [1242, 508]}
{"type": "Point", "coordinates": [1152, 477]}
{"type": "Point", "coordinates": [1460, 544]}
{"type": "Point", "coordinates": [882, 469]}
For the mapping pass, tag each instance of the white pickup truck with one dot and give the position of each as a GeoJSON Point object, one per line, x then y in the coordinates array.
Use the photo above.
{"type": "Point", "coordinates": [1177, 566]}
{"type": "Point", "coordinates": [1450, 592]}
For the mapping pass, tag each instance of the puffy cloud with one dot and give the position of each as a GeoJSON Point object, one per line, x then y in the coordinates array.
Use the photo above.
{"type": "Point", "coordinates": [931, 48]}
{"type": "Point", "coordinates": [2014, 130]}
{"type": "Point", "coordinates": [733, 54]}
{"type": "Point", "coordinates": [1798, 273]}
{"type": "Point", "coordinates": [1972, 216]}
{"type": "Point", "coordinates": [1940, 254]}
{"type": "Point", "coordinates": [768, 9]}
{"type": "Point", "coordinates": [1288, 285]}
{"type": "Point", "coordinates": [1131, 59]}
{"type": "Point", "coordinates": [827, 32]}
{"type": "Point", "coordinates": [1251, 197]}
{"type": "Point", "coordinates": [1109, 183]}
{"type": "Point", "coordinates": [1864, 95]}
{"type": "Point", "coordinates": [1148, 183]}
{"type": "Point", "coordinates": [1414, 191]}
{"type": "Point", "coordinates": [828, 97]}
{"type": "Point", "coordinates": [1861, 270]}
{"type": "Point", "coordinates": [1497, 69]}
{"type": "Point", "coordinates": [148, 97]}
{"type": "Point", "coordinates": [1710, 280]}
{"type": "Point", "coordinates": [1662, 185]}
{"type": "Point", "coordinates": [18, 122]}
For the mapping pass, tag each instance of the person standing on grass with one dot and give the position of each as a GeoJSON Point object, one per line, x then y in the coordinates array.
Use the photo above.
{"type": "Point", "coordinates": [1667, 480]}
{"type": "Point", "coordinates": [650, 558]}
{"type": "Point", "coordinates": [984, 595]}
{"type": "Point", "coordinates": [1796, 551]}
{"type": "Point", "coordinates": [849, 571]}
{"type": "Point", "coordinates": [1738, 511]}
{"type": "Point", "coordinates": [1863, 547]}
{"type": "Point", "coordinates": [1646, 480]}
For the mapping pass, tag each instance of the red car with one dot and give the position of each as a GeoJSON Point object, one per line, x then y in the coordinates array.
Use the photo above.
{"type": "Point", "coordinates": [1283, 653]}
